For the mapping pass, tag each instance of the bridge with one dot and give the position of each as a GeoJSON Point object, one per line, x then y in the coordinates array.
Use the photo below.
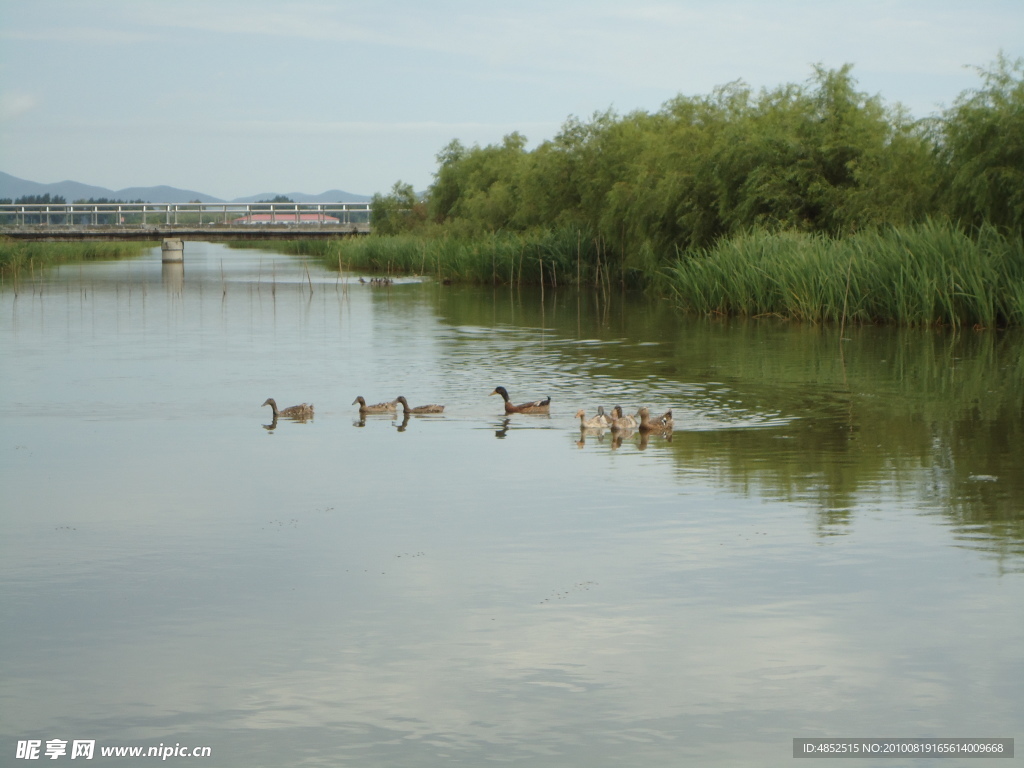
{"type": "Point", "coordinates": [215, 222]}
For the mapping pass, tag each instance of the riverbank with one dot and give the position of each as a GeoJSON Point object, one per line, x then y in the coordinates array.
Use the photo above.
{"type": "Point", "coordinates": [17, 257]}
{"type": "Point", "coordinates": [929, 274]}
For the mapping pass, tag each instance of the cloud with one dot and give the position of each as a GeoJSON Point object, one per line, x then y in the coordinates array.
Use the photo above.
{"type": "Point", "coordinates": [14, 104]}
{"type": "Point", "coordinates": [71, 34]}
{"type": "Point", "coordinates": [289, 127]}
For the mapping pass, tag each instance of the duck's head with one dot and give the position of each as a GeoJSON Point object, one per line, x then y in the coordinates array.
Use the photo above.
{"type": "Point", "coordinates": [269, 401]}
{"type": "Point", "coordinates": [401, 399]}
{"type": "Point", "coordinates": [501, 391]}
{"type": "Point", "coordinates": [359, 400]}
{"type": "Point", "coordinates": [580, 414]}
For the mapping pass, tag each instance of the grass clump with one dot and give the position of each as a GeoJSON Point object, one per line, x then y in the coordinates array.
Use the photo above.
{"type": "Point", "coordinates": [930, 274]}
{"type": "Point", "coordinates": [563, 256]}
{"type": "Point", "coordinates": [17, 256]}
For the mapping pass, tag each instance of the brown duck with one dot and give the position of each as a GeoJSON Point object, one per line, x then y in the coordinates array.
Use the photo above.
{"type": "Point", "coordinates": [304, 411]}
{"type": "Point", "coordinates": [377, 407]}
{"type": "Point", "coordinates": [661, 423]}
{"type": "Point", "coordinates": [419, 408]}
{"type": "Point", "coordinates": [537, 406]}
{"type": "Point", "coordinates": [620, 422]}
{"type": "Point", "coordinates": [600, 421]}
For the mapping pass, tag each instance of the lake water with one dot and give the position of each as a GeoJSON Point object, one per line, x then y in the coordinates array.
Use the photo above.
{"type": "Point", "coordinates": [831, 543]}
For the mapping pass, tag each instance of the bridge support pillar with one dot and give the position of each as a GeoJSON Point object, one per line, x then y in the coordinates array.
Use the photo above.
{"type": "Point", "coordinates": [173, 249]}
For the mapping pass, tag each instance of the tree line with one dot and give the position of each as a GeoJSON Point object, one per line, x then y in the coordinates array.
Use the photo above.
{"type": "Point", "coordinates": [49, 199]}
{"type": "Point", "coordinates": [104, 219]}
{"type": "Point", "coordinates": [820, 157]}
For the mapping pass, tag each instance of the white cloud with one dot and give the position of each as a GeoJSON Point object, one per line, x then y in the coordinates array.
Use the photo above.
{"type": "Point", "coordinates": [14, 104]}
{"type": "Point", "coordinates": [58, 33]}
{"type": "Point", "coordinates": [386, 86]}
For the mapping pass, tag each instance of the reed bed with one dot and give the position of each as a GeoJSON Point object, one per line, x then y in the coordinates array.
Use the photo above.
{"type": "Point", "coordinates": [931, 274]}
{"type": "Point", "coordinates": [16, 256]}
{"type": "Point", "coordinates": [562, 256]}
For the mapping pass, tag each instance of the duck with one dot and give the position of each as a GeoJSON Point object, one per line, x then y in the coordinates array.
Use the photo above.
{"type": "Point", "coordinates": [621, 422]}
{"type": "Point", "coordinates": [600, 421]}
{"type": "Point", "coordinates": [419, 408]}
{"type": "Point", "coordinates": [304, 411]}
{"type": "Point", "coordinates": [390, 407]}
{"type": "Point", "coordinates": [537, 406]}
{"type": "Point", "coordinates": [662, 423]}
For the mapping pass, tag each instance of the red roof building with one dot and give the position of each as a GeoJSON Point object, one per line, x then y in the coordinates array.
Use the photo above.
{"type": "Point", "coordinates": [287, 218]}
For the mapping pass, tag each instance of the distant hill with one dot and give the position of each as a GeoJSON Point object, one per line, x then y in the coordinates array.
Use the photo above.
{"type": "Point", "coordinates": [330, 196]}
{"type": "Point", "coordinates": [13, 187]}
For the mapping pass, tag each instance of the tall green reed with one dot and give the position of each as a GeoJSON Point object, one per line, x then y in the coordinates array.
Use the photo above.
{"type": "Point", "coordinates": [16, 255]}
{"type": "Point", "coordinates": [923, 275]}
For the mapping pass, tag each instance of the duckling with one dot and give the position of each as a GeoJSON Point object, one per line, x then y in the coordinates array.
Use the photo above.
{"type": "Point", "coordinates": [537, 406]}
{"type": "Point", "coordinates": [662, 423]}
{"type": "Point", "coordinates": [620, 422]}
{"type": "Point", "coordinates": [419, 408]}
{"type": "Point", "coordinates": [600, 421]}
{"type": "Point", "coordinates": [390, 407]}
{"type": "Point", "coordinates": [304, 411]}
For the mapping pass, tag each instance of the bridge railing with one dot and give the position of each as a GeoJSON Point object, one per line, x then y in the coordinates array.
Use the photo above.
{"type": "Point", "coordinates": [140, 215]}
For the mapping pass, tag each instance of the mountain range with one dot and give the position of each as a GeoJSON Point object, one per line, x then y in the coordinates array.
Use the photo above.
{"type": "Point", "coordinates": [12, 187]}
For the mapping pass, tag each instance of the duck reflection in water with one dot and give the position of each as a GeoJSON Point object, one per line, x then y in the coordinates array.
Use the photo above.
{"type": "Point", "coordinates": [503, 430]}
{"type": "Point", "coordinates": [598, 434]}
{"type": "Point", "coordinates": [405, 423]}
{"type": "Point", "coordinates": [618, 437]}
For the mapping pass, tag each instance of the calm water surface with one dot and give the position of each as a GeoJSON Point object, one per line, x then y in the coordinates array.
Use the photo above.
{"type": "Point", "coordinates": [831, 544]}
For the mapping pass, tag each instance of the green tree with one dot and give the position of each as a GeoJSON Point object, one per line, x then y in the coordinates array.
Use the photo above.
{"type": "Point", "coordinates": [396, 212]}
{"type": "Point", "coordinates": [983, 149]}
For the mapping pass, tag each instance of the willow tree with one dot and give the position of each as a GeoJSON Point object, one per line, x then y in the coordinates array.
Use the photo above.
{"type": "Point", "coordinates": [983, 149]}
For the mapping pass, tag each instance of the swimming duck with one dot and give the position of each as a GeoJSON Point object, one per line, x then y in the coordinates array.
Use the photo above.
{"type": "Point", "coordinates": [304, 411]}
{"type": "Point", "coordinates": [419, 408]}
{"type": "Point", "coordinates": [377, 407]}
{"type": "Point", "coordinates": [662, 423]}
{"type": "Point", "coordinates": [537, 406]}
{"type": "Point", "coordinates": [600, 421]}
{"type": "Point", "coordinates": [621, 422]}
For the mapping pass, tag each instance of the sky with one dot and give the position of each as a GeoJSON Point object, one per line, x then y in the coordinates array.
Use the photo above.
{"type": "Point", "coordinates": [234, 98]}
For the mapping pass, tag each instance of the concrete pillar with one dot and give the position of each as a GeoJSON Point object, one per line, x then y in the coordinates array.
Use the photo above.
{"type": "Point", "coordinates": [172, 275]}
{"type": "Point", "coordinates": [173, 249]}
